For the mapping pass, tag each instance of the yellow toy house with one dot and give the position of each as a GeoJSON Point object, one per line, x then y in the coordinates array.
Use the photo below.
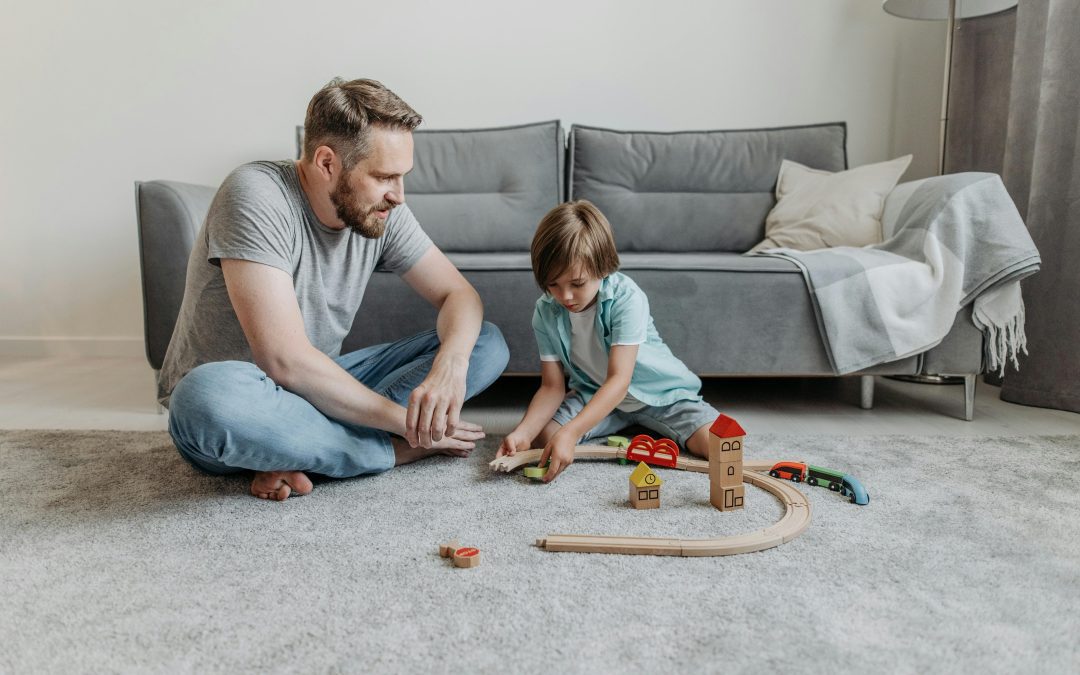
{"type": "Point", "coordinates": [644, 487]}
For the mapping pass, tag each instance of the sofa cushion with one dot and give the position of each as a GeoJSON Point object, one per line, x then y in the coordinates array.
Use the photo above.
{"type": "Point", "coordinates": [751, 315]}
{"type": "Point", "coordinates": [821, 209]}
{"type": "Point", "coordinates": [485, 189]}
{"type": "Point", "coordinates": [695, 190]}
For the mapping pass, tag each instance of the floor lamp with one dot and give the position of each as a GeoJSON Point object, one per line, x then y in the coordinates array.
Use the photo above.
{"type": "Point", "coordinates": [950, 11]}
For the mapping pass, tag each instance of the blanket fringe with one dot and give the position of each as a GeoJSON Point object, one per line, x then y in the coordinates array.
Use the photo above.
{"type": "Point", "coordinates": [1005, 342]}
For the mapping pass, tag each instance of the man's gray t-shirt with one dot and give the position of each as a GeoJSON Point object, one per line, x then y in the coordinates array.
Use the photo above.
{"type": "Point", "coordinates": [260, 213]}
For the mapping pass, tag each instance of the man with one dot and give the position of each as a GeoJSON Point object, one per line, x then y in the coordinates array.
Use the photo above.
{"type": "Point", "coordinates": [253, 377]}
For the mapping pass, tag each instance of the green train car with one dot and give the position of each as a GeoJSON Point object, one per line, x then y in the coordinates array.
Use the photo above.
{"type": "Point", "coordinates": [817, 475]}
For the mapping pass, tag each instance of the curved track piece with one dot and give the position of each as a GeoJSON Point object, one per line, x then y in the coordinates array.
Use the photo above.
{"type": "Point", "coordinates": [796, 516]}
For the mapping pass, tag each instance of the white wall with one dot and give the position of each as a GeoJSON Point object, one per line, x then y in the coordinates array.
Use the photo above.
{"type": "Point", "coordinates": [99, 94]}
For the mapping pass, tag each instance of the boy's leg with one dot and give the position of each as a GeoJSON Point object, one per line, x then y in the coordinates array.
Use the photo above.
{"type": "Point", "coordinates": [685, 422]}
{"type": "Point", "coordinates": [394, 369]}
{"type": "Point", "coordinates": [571, 406]}
{"type": "Point", "coordinates": [229, 416]}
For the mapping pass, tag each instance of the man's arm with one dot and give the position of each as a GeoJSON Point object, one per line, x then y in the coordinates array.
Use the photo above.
{"type": "Point", "coordinates": [435, 405]}
{"type": "Point", "coordinates": [265, 303]}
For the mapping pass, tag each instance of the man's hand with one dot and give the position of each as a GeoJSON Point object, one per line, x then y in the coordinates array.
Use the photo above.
{"type": "Point", "coordinates": [513, 442]}
{"type": "Point", "coordinates": [558, 454]}
{"type": "Point", "coordinates": [435, 405]}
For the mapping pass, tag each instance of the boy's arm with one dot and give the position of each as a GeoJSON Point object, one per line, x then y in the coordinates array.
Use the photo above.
{"type": "Point", "coordinates": [560, 451]}
{"type": "Point", "coordinates": [621, 360]}
{"type": "Point", "coordinates": [546, 400]}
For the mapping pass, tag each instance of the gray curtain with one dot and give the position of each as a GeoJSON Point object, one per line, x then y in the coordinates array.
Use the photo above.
{"type": "Point", "coordinates": [1042, 173]}
{"type": "Point", "coordinates": [1014, 109]}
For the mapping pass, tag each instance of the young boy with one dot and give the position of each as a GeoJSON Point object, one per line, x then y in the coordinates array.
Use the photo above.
{"type": "Point", "coordinates": [594, 323]}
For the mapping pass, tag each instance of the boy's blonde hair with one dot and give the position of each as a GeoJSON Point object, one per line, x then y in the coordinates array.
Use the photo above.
{"type": "Point", "coordinates": [573, 233]}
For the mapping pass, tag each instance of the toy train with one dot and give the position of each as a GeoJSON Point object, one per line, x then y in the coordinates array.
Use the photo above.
{"type": "Point", "coordinates": [845, 484]}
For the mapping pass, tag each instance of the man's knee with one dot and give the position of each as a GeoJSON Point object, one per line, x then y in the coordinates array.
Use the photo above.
{"type": "Point", "coordinates": [210, 390]}
{"type": "Point", "coordinates": [491, 348]}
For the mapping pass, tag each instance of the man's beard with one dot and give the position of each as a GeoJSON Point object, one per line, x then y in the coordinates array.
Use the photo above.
{"type": "Point", "coordinates": [365, 223]}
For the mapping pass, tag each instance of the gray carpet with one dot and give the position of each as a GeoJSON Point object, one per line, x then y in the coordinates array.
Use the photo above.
{"type": "Point", "coordinates": [119, 557]}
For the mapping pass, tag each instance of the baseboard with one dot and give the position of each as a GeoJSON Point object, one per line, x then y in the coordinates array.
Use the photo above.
{"type": "Point", "coordinates": [72, 346]}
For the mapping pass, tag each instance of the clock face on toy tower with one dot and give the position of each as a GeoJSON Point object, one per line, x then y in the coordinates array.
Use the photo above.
{"type": "Point", "coordinates": [726, 491]}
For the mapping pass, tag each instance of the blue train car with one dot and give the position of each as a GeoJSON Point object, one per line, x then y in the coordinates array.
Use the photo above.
{"type": "Point", "coordinates": [851, 487]}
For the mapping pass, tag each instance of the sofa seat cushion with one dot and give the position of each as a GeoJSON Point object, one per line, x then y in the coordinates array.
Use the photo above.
{"type": "Point", "coordinates": [751, 315]}
{"type": "Point", "coordinates": [720, 262]}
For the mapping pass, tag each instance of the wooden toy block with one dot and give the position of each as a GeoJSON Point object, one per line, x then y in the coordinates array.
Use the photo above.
{"type": "Point", "coordinates": [726, 440]}
{"type": "Point", "coordinates": [447, 549]}
{"type": "Point", "coordinates": [723, 451]}
{"type": "Point", "coordinates": [727, 499]}
{"type": "Point", "coordinates": [659, 452]}
{"type": "Point", "coordinates": [535, 472]}
{"type": "Point", "coordinates": [729, 474]}
{"type": "Point", "coordinates": [645, 487]}
{"type": "Point", "coordinates": [467, 557]}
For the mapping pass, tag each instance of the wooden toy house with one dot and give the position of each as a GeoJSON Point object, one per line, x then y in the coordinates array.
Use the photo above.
{"type": "Point", "coordinates": [726, 490]}
{"type": "Point", "coordinates": [644, 487]}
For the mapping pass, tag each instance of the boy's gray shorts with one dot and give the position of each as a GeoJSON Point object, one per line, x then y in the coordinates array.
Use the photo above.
{"type": "Point", "coordinates": [677, 421]}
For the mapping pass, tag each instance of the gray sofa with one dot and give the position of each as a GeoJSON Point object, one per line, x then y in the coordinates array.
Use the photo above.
{"type": "Point", "coordinates": [684, 207]}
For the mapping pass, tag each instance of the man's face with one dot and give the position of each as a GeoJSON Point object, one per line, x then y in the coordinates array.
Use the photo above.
{"type": "Point", "coordinates": [364, 196]}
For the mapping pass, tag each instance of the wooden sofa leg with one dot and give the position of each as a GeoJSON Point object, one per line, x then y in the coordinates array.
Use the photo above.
{"type": "Point", "coordinates": [969, 397]}
{"type": "Point", "coordinates": [866, 383]}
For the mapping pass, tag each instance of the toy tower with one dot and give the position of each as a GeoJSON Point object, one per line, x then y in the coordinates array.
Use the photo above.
{"type": "Point", "coordinates": [726, 491]}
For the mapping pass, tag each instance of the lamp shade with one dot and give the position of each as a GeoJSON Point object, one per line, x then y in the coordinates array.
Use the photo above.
{"type": "Point", "coordinates": [938, 10]}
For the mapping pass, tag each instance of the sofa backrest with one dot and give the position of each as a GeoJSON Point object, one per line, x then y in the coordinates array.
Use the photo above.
{"type": "Point", "coordinates": [483, 190]}
{"type": "Point", "coordinates": [692, 190]}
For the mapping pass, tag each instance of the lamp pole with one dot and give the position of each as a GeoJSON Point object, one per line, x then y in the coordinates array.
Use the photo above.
{"type": "Point", "coordinates": [945, 86]}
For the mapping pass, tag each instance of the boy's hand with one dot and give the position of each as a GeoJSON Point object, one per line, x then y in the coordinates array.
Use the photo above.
{"type": "Point", "coordinates": [558, 454]}
{"type": "Point", "coordinates": [513, 442]}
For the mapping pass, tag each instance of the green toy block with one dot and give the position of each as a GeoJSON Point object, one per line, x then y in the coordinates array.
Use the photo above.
{"type": "Point", "coordinates": [535, 472]}
{"type": "Point", "coordinates": [618, 441]}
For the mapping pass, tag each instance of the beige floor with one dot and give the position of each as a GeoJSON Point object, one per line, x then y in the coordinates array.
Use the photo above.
{"type": "Point", "coordinates": [111, 393]}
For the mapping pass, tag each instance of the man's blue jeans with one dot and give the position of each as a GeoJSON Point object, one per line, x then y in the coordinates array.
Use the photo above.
{"type": "Point", "coordinates": [229, 416]}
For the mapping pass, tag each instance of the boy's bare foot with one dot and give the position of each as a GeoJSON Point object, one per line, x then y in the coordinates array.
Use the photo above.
{"type": "Point", "coordinates": [278, 485]}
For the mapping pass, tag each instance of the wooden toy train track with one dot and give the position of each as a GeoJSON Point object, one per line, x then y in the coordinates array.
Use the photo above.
{"type": "Point", "coordinates": [796, 516]}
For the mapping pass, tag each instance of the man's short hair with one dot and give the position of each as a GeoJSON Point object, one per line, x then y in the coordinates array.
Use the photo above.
{"type": "Point", "coordinates": [573, 233]}
{"type": "Point", "coordinates": [341, 115]}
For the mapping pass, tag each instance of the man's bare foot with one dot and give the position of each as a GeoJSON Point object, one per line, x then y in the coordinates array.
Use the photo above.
{"type": "Point", "coordinates": [405, 454]}
{"type": "Point", "coordinates": [278, 485]}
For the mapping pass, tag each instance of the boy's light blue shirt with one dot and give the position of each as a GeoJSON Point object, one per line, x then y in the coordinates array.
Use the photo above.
{"type": "Point", "coordinates": [622, 318]}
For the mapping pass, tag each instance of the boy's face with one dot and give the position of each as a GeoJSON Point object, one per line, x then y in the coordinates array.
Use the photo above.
{"type": "Point", "coordinates": [574, 289]}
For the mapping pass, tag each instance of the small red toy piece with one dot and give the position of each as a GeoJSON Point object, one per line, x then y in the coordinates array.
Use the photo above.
{"type": "Point", "coordinates": [793, 471]}
{"type": "Point", "coordinates": [657, 452]}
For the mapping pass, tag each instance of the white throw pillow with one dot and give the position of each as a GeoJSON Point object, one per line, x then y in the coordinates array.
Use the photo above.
{"type": "Point", "coordinates": [820, 209]}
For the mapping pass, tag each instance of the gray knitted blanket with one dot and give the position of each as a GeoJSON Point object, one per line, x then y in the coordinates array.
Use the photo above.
{"type": "Point", "coordinates": [949, 240]}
